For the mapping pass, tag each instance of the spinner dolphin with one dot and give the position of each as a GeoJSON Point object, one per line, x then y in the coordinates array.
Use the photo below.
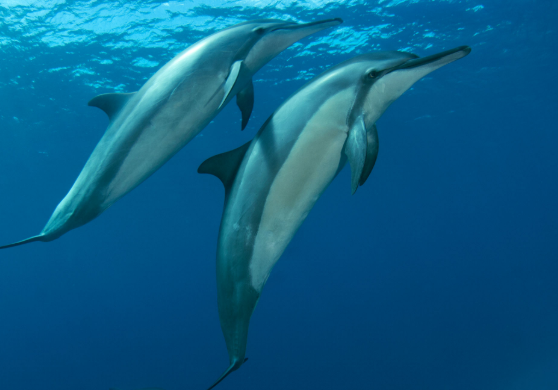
{"type": "Point", "coordinates": [272, 182]}
{"type": "Point", "coordinates": [148, 127]}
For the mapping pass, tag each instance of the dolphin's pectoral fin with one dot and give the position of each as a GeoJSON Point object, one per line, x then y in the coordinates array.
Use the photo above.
{"type": "Point", "coordinates": [231, 80]}
{"type": "Point", "coordinates": [225, 165]}
{"type": "Point", "coordinates": [245, 101]}
{"type": "Point", "coordinates": [238, 71]}
{"type": "Point", "coordinates": [110, 103]}
{"type": "Point", "coordinates": [355, 149]}
{"type": "Point", "coordinates": [372, 145]}
{"type": "Point", "coordinates": [27, 240]}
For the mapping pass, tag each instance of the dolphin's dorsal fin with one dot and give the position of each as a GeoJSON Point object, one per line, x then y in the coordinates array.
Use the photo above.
{"type": "Point", "coordinates": [245, 101]}
{"type": "Point", "coordinates": [372, 145]}
{"type": "Point", "coordinates": [355, 149]}
{"type": "Point", "coordinates": [225, 165]}
{"type": "Point", "coordinates": [110, 103]}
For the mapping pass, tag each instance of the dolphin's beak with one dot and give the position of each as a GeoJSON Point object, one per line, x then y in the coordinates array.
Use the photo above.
{"type": "Point", "coordinates": [436, 60]}
{"type": "Point", "coordinates": [281, 37]}
{"type": "Point", "coordinates": [319, 25]}
{"type": "Point", "coordinates": [297, 31]}
{"type": "Point", "coordinates": [402, 76]}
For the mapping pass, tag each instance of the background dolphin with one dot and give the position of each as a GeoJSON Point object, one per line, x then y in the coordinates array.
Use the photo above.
{"type": "Point", "coordinates": [272, 182]}
{"type": "Point", "coordinates": [149, 126]}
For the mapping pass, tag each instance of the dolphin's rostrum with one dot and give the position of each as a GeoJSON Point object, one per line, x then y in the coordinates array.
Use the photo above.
{"type": "Point", "coordinates": [148, 127]}
{"type": "Point", "coordinates": [272, 182]}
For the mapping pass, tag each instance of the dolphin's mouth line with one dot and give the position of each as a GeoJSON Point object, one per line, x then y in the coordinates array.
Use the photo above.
{"type": "Point", "coordinates": [414, 63]}
{"type": "Point", "coordinates": [295, 26]}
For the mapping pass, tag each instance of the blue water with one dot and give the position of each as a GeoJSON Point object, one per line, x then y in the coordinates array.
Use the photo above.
{"type": "Point", "coordinates": [440, 273]}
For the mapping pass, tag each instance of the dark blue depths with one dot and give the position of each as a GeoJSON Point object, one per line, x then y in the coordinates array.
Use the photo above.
{"type": "Point", "coordinates": [440, 273]}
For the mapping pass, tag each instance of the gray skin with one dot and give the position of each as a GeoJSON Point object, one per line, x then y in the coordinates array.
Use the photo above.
{"type": "Point", "coordinates": [272, 183]}
{"type": "Point", "coordinates": [148, 127]}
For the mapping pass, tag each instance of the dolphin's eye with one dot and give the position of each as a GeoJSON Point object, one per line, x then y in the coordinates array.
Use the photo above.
{"type": "Point", "coordinates": [259, 30]}
{"type": "Point", "coordinates": [373, 74]}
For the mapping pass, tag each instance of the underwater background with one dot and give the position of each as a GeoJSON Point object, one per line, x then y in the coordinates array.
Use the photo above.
{"type": "Point", "coordinates": [441, 272]}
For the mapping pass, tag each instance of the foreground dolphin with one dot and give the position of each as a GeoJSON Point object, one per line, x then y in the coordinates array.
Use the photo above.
{"type": "Point", "coordinates": [272, 182]}
{"type": "Point", "coordinates": [148, 127]}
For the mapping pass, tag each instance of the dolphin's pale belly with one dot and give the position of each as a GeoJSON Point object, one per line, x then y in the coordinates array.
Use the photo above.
{"type": "Point", "coordinates": [310, 166]}
{"type": "Point", "coordinates": [284, 172]}
{"type": "Point", "coordinates": [153, 127]}
{"type": "Point", "coordinates": [173, 126]}
{"type": "Point", "coordinates": [163, 116]}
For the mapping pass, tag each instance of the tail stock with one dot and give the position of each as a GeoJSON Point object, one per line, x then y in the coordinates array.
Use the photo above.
{"type": "Point", "coordinates": [27, 240]}
{"type": "Point", "coordinates": [233, 367]}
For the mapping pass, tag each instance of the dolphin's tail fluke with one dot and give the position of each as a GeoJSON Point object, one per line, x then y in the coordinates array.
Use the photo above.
{"type": "Point", "coordinates": [233, 367]}
{"type": "Point", "coordinates": [40, 237]}
{"type": "Point", "coordinates": [223, 376]}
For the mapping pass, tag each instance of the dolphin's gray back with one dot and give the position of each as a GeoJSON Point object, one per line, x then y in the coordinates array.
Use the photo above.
{"type": "Point", "coordinates": [162, 117]}
{"type": "Point", "coordinates": [271, 196]}
{"type": "Point", "coordinates": [265, 160]}
{"type": "Point", "coordinates": [265, 157]}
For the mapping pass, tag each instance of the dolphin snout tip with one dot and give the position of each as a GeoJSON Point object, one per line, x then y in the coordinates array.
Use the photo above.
{"type": "Point", "coordinates": [464, 49]}
{"type": "Point", "coordinates": [327, 22]}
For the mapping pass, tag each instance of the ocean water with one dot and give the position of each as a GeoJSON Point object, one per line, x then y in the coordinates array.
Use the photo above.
{"type": "Point", "coordinates": [441, 272]}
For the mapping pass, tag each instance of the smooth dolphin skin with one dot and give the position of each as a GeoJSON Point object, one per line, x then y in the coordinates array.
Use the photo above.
{"type": "Point", "coordinates": [148, 127]}
{"type": "Point", "coordinates": [272, 182]}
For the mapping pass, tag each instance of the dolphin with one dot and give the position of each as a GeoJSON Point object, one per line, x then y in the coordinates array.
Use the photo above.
{"type": "Point", "coordinates": [148, 127]}
{"type": "Point", "coordinates": [272, 182]}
